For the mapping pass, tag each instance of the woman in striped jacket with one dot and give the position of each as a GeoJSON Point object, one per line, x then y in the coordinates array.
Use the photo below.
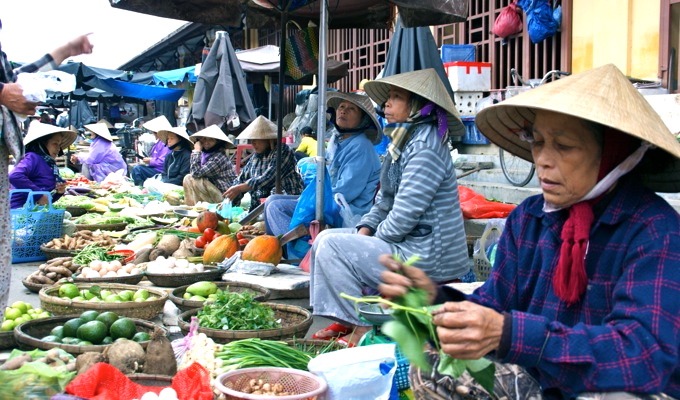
{"type": "Point", "coordinates": [416, 212]}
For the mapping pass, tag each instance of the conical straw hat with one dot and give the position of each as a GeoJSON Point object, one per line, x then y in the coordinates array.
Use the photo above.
{"type": "Point", "coordinates": [602, 95]}
{"type": "Point", "coordinates": [334, 99]}
{"type": "Point", "coordinates": [105, 122]}
{"type": "Point", "coordinates": [179, 131]}
{"type": "Point", "coordinates": [425, 83]}
{"type": "Point", "coordinates": [157, 124]}
{"type": "Point", "coordinates": [38, 130]}
{"type": "Point", "coordinates": [260, 128]}
{"type": "Point", "coordinates": [213, 131]}
{"type": "Point", "coordinates": [99, 130]}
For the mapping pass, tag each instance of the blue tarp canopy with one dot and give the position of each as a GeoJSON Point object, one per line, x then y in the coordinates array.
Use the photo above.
{"type": "Point", "coordinates": [135, 90]}
{"type": "Point", "coordinates": [174, 76]}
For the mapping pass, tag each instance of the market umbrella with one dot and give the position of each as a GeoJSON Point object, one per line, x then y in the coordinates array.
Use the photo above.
{"type": "Point", "coordinates": [221, 92]}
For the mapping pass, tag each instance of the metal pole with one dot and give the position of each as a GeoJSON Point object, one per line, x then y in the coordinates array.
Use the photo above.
{"type": "Point", "coordinates": [321, 115]}
{"type": "Point", "coordinates": [279, 114]}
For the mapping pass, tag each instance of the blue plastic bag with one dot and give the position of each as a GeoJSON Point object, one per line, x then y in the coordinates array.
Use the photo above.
{"type": "Point", "coordinates": [305, 211]}
{"type": "Point", "coordinates": [540, 21]}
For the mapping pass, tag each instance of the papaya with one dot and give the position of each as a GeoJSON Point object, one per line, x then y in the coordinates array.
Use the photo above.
{"type": "Point", "coordinates": [220, 249]}
{"type": "Point", "coordinates": [264, 248]}
{"type": "Point", "coordinates": [207, 219]}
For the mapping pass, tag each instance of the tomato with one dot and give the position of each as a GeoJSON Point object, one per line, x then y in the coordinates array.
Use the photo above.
{"type": "Point", "coordinates": [216, 235]}
{"type": "Point", "coordinates": [200, 242]}
{"type": "Point", "coordinates": [243, 242]}
{"type": "Point", "coordinates": [239, 236]}
{"type": "Point", "coordinates": [209, 234]}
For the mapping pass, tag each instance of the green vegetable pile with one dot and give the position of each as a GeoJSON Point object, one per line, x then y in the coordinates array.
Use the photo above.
{"type": "Point", "coordinates": [93, 252]}
{"type": "Point", "coordinates": [97, 219]}
{"type": "Point", "coordinates": [237, 312]}
{"type": "Point", "coordinates": [250, 353]}
{"type": "Point", "coordinates": [412, 328]}
{"type": "Point", "coordinates": [141, 198]}
{"type": "Point", "coordinates": [74, 201]}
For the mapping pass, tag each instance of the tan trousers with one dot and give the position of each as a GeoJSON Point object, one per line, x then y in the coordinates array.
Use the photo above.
{"type": "Point", "coordinates": [200, 189]}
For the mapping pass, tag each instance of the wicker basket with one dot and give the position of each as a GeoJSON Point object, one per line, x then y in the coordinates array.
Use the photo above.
{"type": "Point", "coordinates": [104, 227]}
{"type": "Point", "coordinates": [177, 280]}
{"type": "Point", "coordinates": [33, 287]}
{"type": "Point", "coordinates": [295, 322]}
{"type": "Point", "coordinates": [176, 296]}
{"type": "Point", "coordinates": [302, 385]}
{"type": "Point", "coordinates": [7, 340]}
{"type": "Point", "coordinates": [28, 335]}
{"type": "Point", "coordinates": [51, 253]}
{"type": "Point", "coordinates": [151, 380]}
{"type": "Point", "coordinates": [481, 264]}
{"type": "Point", "coordinates": [76, 211]}
{"type": "Point", "coordinates": [50, 301]}
{"type": "Point", "coordinates": [127, 280]}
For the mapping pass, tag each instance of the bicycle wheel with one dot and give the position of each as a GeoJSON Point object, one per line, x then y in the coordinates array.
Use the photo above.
{"type": "Point", "coordinates": [516, 170]}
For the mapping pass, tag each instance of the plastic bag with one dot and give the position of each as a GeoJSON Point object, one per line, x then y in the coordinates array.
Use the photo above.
{"type": "Point", "coordinates": [508, 21]}
{"type": "Point", "coordinates": [305, 210]}
{"type": "Point", "coordinates": [475, 206]}
{"type": "Point", "coordinates": [35, 379]}
{"type": "Point", "coordinates": [35, 84]}
{"type": "Point", "coordinates": [366, 380]}
{"type": "Point", "coordinates": [236, 264]}
{"type": "Point", "coordinates": [540, 21]}
{"type": "Point", "coordinates": [349, 219]}
{"type": "Point", "coordinates": [156, 185]}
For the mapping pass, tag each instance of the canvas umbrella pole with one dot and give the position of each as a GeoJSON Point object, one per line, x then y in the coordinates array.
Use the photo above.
{"type": "Point", "coordinates": [279, 114]}
{"type": "Point", "coordinates": [321, 113]}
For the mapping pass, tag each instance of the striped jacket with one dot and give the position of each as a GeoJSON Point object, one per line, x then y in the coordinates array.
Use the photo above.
{"type": "Point", "coordinates": [422, 216]}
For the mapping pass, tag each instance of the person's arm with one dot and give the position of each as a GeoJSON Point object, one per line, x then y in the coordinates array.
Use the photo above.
{"type": "Point", "coordinates": [352, 173]}
{"type": "Point", "coordinates": [99, 148]}
{"type": "Point", "coordinates": [20, 175]}
{"type": "Point", "coordinates": [266, 177]}
{"type": "Point", "coordinates": [158, 154]}
{"type": "Point", "coordinates": [212, 166]}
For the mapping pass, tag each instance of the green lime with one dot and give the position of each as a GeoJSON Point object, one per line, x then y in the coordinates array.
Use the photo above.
{"type": "Point", "coordinates": [113, 298]}
{"type": "Point", "coordinates": [12, 313]}
{"type": "Point", "coordinates": [69, 290]}
{"type": "Point", "coordinates": [123, 328]}
{"type": "Point", "coordinates": [20, 305]}
{"type": "Point", "coordinates": [70, 340]}
{"type": "Point", "coordinates": [186, 296]}
{"type": "Point", "coordinates": [126, 295]}
{"type": "Point", "coordinates": [71, 327]}
{"type": "Point", "coordinates": [141, 337]}
{"type": "Point", "coordinates": [93, 331]}
{"type": "Point", "coordinates": [107, 340]}
{"type": "Point", "coordinates": [141, 294]}
{"type": "Point", "coordinates": [58, 331]}
{"type": "Point", "coordinates": [7, 326]}
{"type": "Point", "coordinates": [107, 317]}
{"type": "Point", "coordinates": [89, 315]}
{"type": "Point", "coordinates": [51, 338]}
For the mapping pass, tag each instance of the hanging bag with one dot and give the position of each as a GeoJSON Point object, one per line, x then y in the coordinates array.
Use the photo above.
{"type": "Point", "coordinates": [302, 52]}
{"type": "Point", "coordinates": [508, 21]}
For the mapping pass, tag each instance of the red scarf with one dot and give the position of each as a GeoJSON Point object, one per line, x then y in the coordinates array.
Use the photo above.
{"type": "Point", "coordinates": [570, 279]}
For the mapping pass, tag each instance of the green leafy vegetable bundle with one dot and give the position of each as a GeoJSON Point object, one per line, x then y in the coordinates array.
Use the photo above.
{"type": "Point", "coordinates": [237, 312]}
{"type": "Point", "coordinates": [249, 353]}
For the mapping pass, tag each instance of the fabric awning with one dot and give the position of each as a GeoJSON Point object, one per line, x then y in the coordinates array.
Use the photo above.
{"type": "Point", "coordinates": [175, 76]}
{"type": "Point", "coordinates": [135, 90]}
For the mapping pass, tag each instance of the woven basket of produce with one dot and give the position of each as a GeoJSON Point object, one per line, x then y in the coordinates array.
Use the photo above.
{"type": "Point", "coordinates": [182, 279]}
{"type": "Point", "coordinates": [76, 211]}
{"type": "Point", "coordinates": [7, 340]}
{"type": "Point", "coordinates": [104, 227]}
{"type": "Point", "coordinates": [295, 322]}
{"type": "Point", "coordinates": [51, 253]}
{"type": "Point", "coordinates": [33, 287]}
{"type": "Point", "coordinates": [32, 335]}
{"type": "Point", "coordinates": [127, 279]}
{"type": "Point", "coordinates": [260, 293]}
{"type": "Point", "coordinates": [285, 383]}
{"type": "Point", "coordinates": [53, 299]}
{"type": "Point", "coordinates": [49, 273]}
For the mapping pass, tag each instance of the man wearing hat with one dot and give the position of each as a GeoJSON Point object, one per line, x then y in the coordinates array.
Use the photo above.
{"type": "Point", "coordinates": [153, 164]}
{"type": "Point", "coordinates": [103, 158]}
{"type": "Point", "coordinates": [211, 171]}
{"type": "Point", "coordinates": [583, 300]}
{"type": "Point", "coordinates": [37, 170]}
{"type": "Point", "coordinates": [258, 176]}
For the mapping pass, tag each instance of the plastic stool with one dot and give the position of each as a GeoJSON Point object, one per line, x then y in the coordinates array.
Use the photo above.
{"type": "Point", "coordinates": [240, 150]}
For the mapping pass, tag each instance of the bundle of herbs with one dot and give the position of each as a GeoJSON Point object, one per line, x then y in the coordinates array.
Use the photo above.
{"type": "Point", "coordinates": [254, 352]}
{"type": "Point", "coordinates": [237, 311]}
{"type": "Point", "coordinates": [412, 328]}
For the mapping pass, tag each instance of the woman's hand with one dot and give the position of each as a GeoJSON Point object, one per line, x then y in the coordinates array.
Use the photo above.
{"type": "Point", "coordinates": [365, 231]}
{"type": "Point", "coordinates": [236, 190]}
{"type": "Point", "coordinates": [61, 188]}
{"type": "Point", "coordinates": [399, 278]}
{"type": "Point", "coordinates": [12, 97]}
{"type": "Point", "coordinates": [197, 146]}
{"type": "Point", "coordinates": [467, 330]}
{"type": "Point", "coordinates": [74, 159]}
{"type": "Point", "coordinates": [146, 160]}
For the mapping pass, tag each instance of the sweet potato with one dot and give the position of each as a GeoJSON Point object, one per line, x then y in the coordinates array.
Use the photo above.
{"type": "Point", "coordinates": [15, 362]}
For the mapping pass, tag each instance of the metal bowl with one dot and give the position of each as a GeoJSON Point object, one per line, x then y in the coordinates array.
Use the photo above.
{"type": "Point", "coordinates": [186, 213]}
{"type": "Point", "coordinates": [375, 314]}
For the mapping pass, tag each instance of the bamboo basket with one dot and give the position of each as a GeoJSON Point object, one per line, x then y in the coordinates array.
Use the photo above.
{"type": "Point", "coordinates": [127, 280]}
{"type": "Point", "coordinates": [28, 334]}
{"type": "Point", "coordinates": [33, 287]}
{"type": "Point", "coordinates": [50, 301]}
{"type": "Point", "coordinates": [295, 322]}
{"type": "Point", "coordinates": [104, 227]}
{"type": "Point", "coordinates": [7, 340]}
{"type": "Point", "coordinates": [51, 253]}
{"type": "Point", "coordinates": [261, 294]}
{"type": "Point", "coordinates": [176, 280]}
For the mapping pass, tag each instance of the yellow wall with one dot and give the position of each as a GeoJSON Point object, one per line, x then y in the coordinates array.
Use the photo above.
{"type": "Point", "coordinates": [623, 32]}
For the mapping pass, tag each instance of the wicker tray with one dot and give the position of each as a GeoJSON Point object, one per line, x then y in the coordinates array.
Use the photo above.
{"type": "Point", "coordinates": [128, 280]}
{"type": "Point", "coordinates": [51, 253]}
{"type": "Point", "coordinates": [104, 227]}
{"type": "Point", "coordinates": [151, 380]}
{"type": "Point", "coordinates": [177, 280]}
{"type": "Point", "coordinates": [7, 340]}
{"type": "Point", "coordinates": [76, 211]}
{"type": "Point", "coordinates": [28, 334]}
{"type": "Point", "coordinates": [261, 293]}
{"type": "Point", "coordinates": [295, 322]}
{"type": "Point", "coordinates": [50, 301]}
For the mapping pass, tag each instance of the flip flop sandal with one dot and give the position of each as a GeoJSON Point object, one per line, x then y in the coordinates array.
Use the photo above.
{"type": "Point", "coordinates": [344, 342]}
{"type": "Point", "coordinates": [336, 328]}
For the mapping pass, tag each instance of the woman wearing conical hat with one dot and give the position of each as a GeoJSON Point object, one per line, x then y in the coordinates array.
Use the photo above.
{"type": "Point", "coordinates": [103, 157]}
{"type": "Point", "coordinates": [583, 300]}
{"type": "Point", "coordinates": [176, 164]}
{"type": "Point", "coordinates": [38, 170]}
{"type": "Point", "coordinates": [153, 164]}
{"type": "Point", "coordinates": [416, 211]}
{"type": "Point", "coordinates": [211, 171]}
{"type": "Point", "coordinates": [258, 176]}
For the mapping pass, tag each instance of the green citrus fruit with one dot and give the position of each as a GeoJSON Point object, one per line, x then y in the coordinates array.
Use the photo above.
{"type": "Point", "coordinates": [93, 331]}
{"type": "Point", "coordinates": [141, 294]}
{"type": "Point", "coordinates": [70, 340]}
{"type": "Point", "coordinates": [71, 327]}
{"type": "Point", "coordinates": [123, 328]}
{"type": "Point", "coordinates": [20, 305]}
{"type": "Point", "coordinates": [89, 315]}
{"type": "Point", "coordinates": [141, 337]}
{"type": "Point", "coordinates": [58, 331]}
{"type": "Point", "coordinates": [51, 338]}
{"type": "Point", "coordinates": [108, 318]}
{"type": "Point", "coordinates": [69, 290]}
{"type": "Point", "coordinates": [126, 295]}
{"type": "Point", "coordinates": [7, 326]}
{"type": "Point", "coordinates": [12, 313]}
{"type": "Point", "coordinates": [107, 340]}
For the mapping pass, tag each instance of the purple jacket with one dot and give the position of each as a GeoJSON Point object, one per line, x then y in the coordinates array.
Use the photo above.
{"type": "Point", "coordinates": [33, 173]}
{"type": "Point", "coordinates": [103, 159]}
{"type": "Point", "coordinates": [158, 153]}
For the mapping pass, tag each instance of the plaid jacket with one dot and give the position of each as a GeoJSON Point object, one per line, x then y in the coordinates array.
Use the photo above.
{"type": "Point", "coordinates": [218, 169]}
{"type": "Point", "coordinates": [260, 174]}
{"type": "Point", "coordinates": [624, 335]}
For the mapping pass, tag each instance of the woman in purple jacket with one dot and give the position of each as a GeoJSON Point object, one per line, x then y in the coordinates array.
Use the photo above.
{"type": "Point", "coordinates": [153, 164]}
{"type": "Point", "coordinates": [103, 157]}
{"type": "Point", "coordinates": [37, 170]}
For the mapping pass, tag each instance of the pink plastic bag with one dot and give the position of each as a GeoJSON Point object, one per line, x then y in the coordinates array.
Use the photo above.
{"type": "Point", "coordinates": [508, 21]}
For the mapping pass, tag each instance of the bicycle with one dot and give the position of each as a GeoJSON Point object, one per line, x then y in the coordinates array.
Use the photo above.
{"type": "Point", "coordinates": [517, 170]}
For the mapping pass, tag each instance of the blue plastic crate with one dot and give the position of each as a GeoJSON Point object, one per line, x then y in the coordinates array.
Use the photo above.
{"type": "Point", "coordinates": [32, 226]}
{"type": "Point", "coordinates": [472, 134]}
{"type": "Point", "coordinates": [458, 52]}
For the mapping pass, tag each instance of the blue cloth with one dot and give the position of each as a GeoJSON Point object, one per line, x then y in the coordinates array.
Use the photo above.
{"type": "Point", "coordinates": [33, 173]}
{"type": "Point", "coordinates": [175, 76]}
{"type": "Point", "coordinates": [625, 333]}
{"type": "Point", "coordinates": [140, 173]}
